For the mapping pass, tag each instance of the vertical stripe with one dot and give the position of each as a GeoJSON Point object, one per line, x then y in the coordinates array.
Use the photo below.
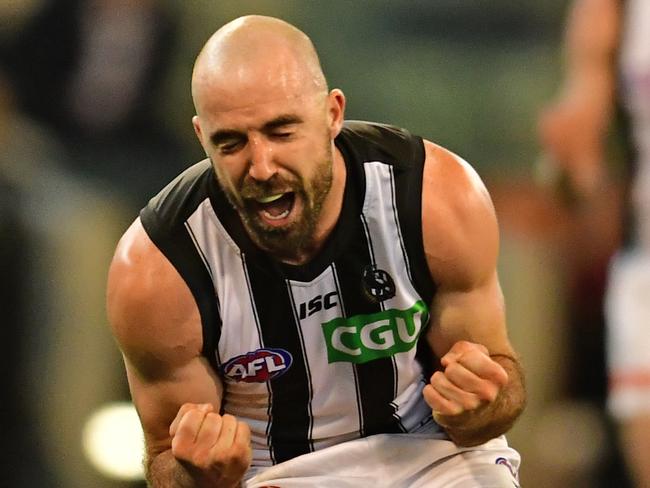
{"type": "Point", "coordinates": [315, 303]}
{"type": "Point", "coordinates": [375, 378]}
{"type": "Point", "coordinates": [354, 370]}
{"type": "Point", "coordinates": [381, 304]}
{"type": "Point", "coordinates": [241, 328]}
{"type": "Point", "coordinates": [382, 219]}
{"type": "Point", "coordinates": [398, 227]}
{"type": "Point", "coordinates": [208, 346]}
{"type": "Point", "coordinates": [180, 248]}
{"type": "Point", "coordinates": [290, 416]}
{"type": "Point", "coordinates": [307, 368]}
{"type": "Point", "coordinates": [253, 308]}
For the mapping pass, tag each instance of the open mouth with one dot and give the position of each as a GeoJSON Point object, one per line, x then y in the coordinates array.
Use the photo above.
{"type": "Point", "coordinates": [275, 208]}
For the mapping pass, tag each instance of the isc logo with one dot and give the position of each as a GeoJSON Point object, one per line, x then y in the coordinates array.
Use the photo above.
{"type": "Point", "coordinates": [316, 304]}
{"type": "Point", "coordinates": [258, 366]}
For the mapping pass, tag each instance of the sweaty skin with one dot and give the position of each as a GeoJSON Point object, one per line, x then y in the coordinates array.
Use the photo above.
{"type": "Point", "coordinates": [479, 392]}
{"type": "Point", "coordinates": [264, 114]}
{"type": "Point", "coordinates": [265, 119]}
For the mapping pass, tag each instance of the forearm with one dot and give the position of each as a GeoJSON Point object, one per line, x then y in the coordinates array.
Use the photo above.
{"type": "Point", "coordinates": [165, 471]}
{"type": "Point", "coordinates": [475, 427]}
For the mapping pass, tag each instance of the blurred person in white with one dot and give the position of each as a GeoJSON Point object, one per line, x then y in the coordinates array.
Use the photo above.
{"type": "Point", "coordinates": [608, 62]}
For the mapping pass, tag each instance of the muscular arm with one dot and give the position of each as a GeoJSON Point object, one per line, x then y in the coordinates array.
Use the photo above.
{"type": "Point", "coordinates": [156, 323]}
{"type": "Point", "coordinates": [480, 391]}
{"type": "Point", "coordinates": [573, 129]}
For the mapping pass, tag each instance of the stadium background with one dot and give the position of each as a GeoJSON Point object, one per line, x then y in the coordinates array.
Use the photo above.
{"type": "Point", "coordinates": [470, 75]}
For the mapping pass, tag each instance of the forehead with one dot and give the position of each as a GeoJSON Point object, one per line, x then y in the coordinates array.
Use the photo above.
{"type": "Point", "coordinates": [227, 82]}
{"type": "Point", "coordinates": [257, 111]}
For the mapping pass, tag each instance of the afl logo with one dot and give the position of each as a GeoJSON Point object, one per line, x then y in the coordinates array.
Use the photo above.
{"type": "Point", "coordinates": [377, 284]}
{"type": "Point", "coordinates": [504, 462]}
{"type": "Point", "coordinates": [258, 366]}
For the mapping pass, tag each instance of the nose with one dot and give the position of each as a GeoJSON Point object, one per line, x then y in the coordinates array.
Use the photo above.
{"type": "Point", "coordinates": [261, 166]}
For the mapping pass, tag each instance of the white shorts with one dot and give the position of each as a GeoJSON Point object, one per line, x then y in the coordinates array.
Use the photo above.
{"type": "Point", "coordinates": [627, 313]}
{"type": "Point", "coordinates": [397, 461]}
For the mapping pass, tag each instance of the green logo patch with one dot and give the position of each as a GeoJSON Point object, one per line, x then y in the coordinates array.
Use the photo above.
{"type": "Point", "coordinates": [363, 338]}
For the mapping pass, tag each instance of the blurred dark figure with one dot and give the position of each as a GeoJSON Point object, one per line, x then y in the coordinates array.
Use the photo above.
{"type": "Point", "coordinates": [14, 424]}
{"type": "Point", "coordinates": [92, 70]}
{"type": "Point", "coordinates": [608, 74]}
{"type": "Point", "coordinates": [17, 422]}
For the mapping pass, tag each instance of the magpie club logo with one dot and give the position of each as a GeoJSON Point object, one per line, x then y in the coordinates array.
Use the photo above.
{"type": "Point", "coordinates": [258, 366]}
{"type": "Point", "coordinates": [377, 284]}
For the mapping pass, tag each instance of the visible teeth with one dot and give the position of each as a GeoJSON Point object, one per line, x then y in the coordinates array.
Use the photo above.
{"type": "Point", "coordinates": [277, 217]}
{"type": "Point", "coordinates": [271, 198]}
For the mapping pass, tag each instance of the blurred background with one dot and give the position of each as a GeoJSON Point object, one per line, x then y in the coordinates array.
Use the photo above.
{"type": "Point", "coordinates": [95, 115]}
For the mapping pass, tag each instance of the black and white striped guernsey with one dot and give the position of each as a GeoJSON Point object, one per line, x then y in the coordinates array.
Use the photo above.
{"type": "Point", "coordinates": [332, 350]}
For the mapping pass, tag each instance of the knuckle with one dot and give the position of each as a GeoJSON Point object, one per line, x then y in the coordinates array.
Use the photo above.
{"type": "Point", "coordinates": [489, 393]}
{"type": "Point", "coordinates": [187, 408]}
{"type": "Point", "coordinates": [244, 432]}
{"type": "Point", "coordinates": [470, 402]}
{"type": "Point", "coordinates": [458, 409]}
{"type": "Point", "coordinates": [243, 426]}
{"type": "Point", "coordinates": [453, 368]}
{"type": "Point", "coordinates": [213, 418]}
{"type": "Point", "coordinates": [437, 378]}
{"type": "Point", "coordinates": [192, 414]}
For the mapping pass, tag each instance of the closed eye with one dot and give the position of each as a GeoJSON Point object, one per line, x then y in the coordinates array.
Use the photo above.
{"type": "Point", "coordinates": [282, 127]}
{"type": "Point", "coordinates": [230, 147]}
{"type": "Point", "coordinates": [227, 141]}
{"type": "Point", "coordinates": [282, 135]}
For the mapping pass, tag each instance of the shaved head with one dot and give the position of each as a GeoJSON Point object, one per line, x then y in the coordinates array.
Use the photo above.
{"type": "Point", "coordinates": [251, 56]}
{"type": "Point", "coordinates": [267, 120]}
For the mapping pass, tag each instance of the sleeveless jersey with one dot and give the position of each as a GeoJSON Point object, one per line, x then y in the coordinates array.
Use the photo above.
{"type": "Point", "coordinates": [317, 354]}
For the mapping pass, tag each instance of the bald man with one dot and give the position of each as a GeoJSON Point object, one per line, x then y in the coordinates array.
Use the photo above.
{"type": "Point", "coordinates": [316, 303]}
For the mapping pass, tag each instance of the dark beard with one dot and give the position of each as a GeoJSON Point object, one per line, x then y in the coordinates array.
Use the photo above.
{"type": "Point", "coordinates": [295, 241]}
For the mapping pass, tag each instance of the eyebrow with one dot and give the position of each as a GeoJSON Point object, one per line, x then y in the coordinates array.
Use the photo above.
{"type": "Point", "coordinates": [281, 121]}
{"type": "Point", "coordinates": [223, 135]}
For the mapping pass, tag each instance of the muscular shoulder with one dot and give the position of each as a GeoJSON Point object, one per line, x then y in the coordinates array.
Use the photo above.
{"type": "Point", "coordinates": [459, 224]}
{"type": "Point", "coordinates": [152, 312]}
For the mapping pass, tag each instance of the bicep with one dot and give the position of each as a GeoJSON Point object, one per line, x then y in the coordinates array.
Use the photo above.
{"type": "Point", "coordinates": [157, 325]}
{"type": "Point", "coordinates": [461, 242]}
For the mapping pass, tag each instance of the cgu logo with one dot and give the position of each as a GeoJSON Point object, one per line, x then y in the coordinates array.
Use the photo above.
{"type": "Point", "coordinates": [316, 304]}
{"type": "Point", "coordinates": [258, 366]}
{"type": "Point", "coordinates": [364, 338]}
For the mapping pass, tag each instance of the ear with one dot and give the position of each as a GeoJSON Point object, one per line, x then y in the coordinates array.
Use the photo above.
{"type": "Point", "coordinates": [196, 122]}
{"type": "Point", "coordinates": [336, 109]}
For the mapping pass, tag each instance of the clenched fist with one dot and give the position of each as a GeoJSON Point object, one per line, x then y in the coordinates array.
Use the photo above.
{"type": "Point", "coordinates": [470, 380]}
{"type": "Point", "coordinates": [215, 449]}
